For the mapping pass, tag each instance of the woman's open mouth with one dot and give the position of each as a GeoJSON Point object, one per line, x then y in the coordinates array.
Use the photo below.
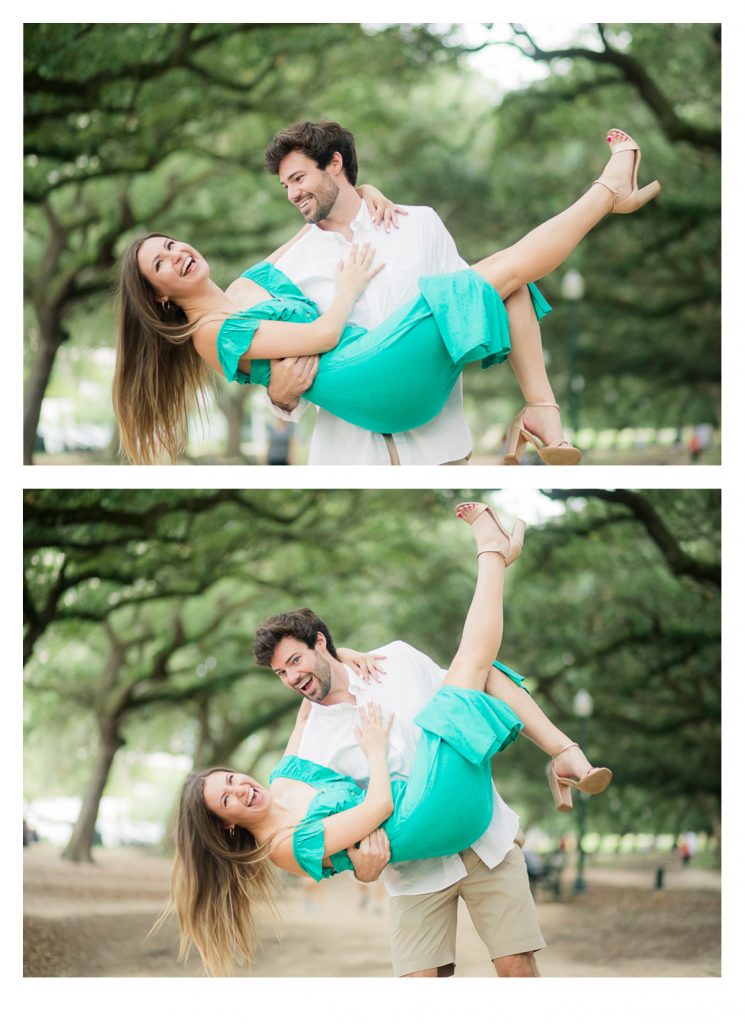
{"type": "Point", "coordinates": [189, 263]}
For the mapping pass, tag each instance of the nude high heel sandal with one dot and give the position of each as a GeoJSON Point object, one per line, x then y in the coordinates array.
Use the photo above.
{"type": "Point", "coordinates": [508, 546]}
{"type": "Point", "coordinates": [594, 781]}
{"type": "Point", "coordinates": [553, 453]}
{"type": "Point", "coordinates": [637, 197]}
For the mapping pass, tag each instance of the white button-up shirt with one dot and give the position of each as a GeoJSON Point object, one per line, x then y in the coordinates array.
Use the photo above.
{"type": "Point", "coordinates": [410, 679]}
{"type": "Point", "coordinates": [420, 246]}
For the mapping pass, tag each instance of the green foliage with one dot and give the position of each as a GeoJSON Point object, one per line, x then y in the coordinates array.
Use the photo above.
{"type": "Point", "coordinates": [617, 594]}
{"type": "Point", "coordinates": [162, 127]}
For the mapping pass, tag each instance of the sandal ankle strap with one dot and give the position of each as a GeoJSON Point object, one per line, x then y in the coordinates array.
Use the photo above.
{"type": "Point", "coordinates": [567, 747]}
{"type": "Point", "coordinates": [613, 191]}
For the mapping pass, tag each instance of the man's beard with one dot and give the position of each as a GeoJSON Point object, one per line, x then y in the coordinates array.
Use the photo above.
{"type": "Point", "coordinates": [325, 197]}
{"type": "Point", "coordinates": [322, 672]}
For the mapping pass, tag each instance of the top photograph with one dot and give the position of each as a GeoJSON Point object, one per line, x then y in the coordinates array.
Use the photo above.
{"type": "Point", "coordinates": [400, 244]}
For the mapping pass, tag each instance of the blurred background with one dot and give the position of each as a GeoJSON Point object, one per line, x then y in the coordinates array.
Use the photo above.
{"type": "Point", "coordinates": [140, 609]}
{"type": "Point", "coordinates": [136, 127]}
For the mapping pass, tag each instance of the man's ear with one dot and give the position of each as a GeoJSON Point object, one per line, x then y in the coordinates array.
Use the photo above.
{"type": "Point", "coordinates": [335, 166]}
{"type": "Point", "coordinates": [320, 644]}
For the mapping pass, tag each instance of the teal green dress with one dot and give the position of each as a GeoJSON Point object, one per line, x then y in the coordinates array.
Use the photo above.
{"type": "Point", "coordinates": [447, 801]}
{"type": "Point", "coordinates": [398, 375]}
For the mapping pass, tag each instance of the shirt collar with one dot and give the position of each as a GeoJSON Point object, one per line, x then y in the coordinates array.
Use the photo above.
{"type": "Point", "coordinates": [357, 685]}
{"type": "Point", "coordinates": [361, 219]}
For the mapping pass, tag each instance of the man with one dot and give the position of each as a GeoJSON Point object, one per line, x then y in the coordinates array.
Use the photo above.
{"type": "Point", "coordinates": [490, 876]}
{"type": "Point", "coordinates": [317, 166]}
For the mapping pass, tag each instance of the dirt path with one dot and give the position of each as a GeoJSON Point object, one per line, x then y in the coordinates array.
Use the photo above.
{"type": "Point", "coordinates": [92, 921]}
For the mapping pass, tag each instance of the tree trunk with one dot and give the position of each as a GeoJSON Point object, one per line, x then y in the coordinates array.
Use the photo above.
{"type": "Point", "coordinates": [51, 337]}
{"type": "Point", "coordinates": [79, 847]}
{"type": "Point", "coordinates": [231, 406]}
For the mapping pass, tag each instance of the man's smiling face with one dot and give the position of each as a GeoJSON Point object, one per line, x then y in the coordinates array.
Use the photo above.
{"type": "Point", "coordinates": [312, 191]}
{"type": "Point", "coordinates": [302, 668]}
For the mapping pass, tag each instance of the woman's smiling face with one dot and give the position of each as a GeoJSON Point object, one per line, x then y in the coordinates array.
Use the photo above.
{"type": "Point", "coordinates": [171, 267]}
{"type": "Point", "coordinates": [236, 799]}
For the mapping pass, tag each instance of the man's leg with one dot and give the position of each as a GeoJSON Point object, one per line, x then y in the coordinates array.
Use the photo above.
{"type": "Point", "coordinates": [501, 907]}
{"type": "Point", "coordinates": [433, 972]}
{"type": "Point", "coordinates": [521, 965]}
{"type": "Point", "coordinates": [423, 933]}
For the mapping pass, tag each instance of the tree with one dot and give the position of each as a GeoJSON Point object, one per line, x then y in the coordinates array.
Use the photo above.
{"type": "Point", "coordinates": [143, 604]}
{"type": "Point", "coordinates": [130, 128]}
{"type": "Point", "coordinates": [128, 125]}
{"type": "Point", "coordinates": [651, 310]}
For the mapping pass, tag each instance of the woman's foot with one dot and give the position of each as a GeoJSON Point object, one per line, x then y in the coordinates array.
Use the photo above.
{"type": "Point", "coordinates": [489, 533]}
{"type": "Point", "coordinates": [571, 763]}
{"type": "Point", "coordinates": [539, 424]}
{"type": "Point", "coordinates": [569, 769]}
{"type": "Point", "coordinates": [545, 422]}
{"type": "Point", "coordinates": [620, 175]}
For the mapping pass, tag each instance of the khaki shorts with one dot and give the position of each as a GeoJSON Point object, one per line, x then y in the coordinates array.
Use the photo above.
{"type": "Point", "coordinates": [499, 902]}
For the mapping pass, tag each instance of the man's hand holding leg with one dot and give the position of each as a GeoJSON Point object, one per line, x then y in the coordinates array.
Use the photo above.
{"type": "Point", "coordinates": [371, 857]}
{"type": "Point", "coordinates": [291, 378]}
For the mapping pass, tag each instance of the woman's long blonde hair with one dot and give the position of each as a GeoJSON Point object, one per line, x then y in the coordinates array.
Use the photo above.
{"type": "Point", "coordinates": [159, 379]}
{"type": "Point", "coordinates": [218, 881]}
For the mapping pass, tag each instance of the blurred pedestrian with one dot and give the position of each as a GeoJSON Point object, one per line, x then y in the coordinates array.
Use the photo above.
{"type": "Point", "coordinates": [279, 447]}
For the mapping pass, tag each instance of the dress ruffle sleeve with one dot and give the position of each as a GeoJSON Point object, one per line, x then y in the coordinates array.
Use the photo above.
{"type": "Point", "coordinates": [233, 341]}
{"type": "Point", "coordinates": [336, 793]}
{"type": "Point", "coordinates": [511, 674]}
{"type": "Point", "coordinates": [307, 845]}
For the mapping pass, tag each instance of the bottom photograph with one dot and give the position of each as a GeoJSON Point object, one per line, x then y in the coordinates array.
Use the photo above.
{"type": "Point", "coordinates": [362, 733]}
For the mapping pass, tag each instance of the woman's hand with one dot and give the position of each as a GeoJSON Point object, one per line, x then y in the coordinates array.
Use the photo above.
{"type": "Point", "coordinates": [365, 665]}
{"type": "Point", "coordinates": [382, 210]}
{"type": "Point", "coordinates": [373, 731]}
{"type": "Point", "coordinates": [356, 274]}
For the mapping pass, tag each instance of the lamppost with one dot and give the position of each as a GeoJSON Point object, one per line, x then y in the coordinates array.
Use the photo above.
{"type": "Point", "coordinates": [582, 706]}
{"type": "Point", "coordinates": [573, 290]}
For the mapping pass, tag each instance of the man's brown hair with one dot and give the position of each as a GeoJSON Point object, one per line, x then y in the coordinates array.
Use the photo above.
{"type": "Point", "coordinates": [301, 624]}
{"type": "Point", "coordinates": [318, 140]}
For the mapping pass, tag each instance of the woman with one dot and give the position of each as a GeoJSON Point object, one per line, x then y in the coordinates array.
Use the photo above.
{"type": "Point", "coordinates": [390, 379]}
{"type": "Point", "coordinates": [304, 822]}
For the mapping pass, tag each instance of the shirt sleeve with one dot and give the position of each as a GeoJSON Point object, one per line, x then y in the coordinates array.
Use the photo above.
{"type": "Point", "coordinates": [425, 672]}
{"type": "Point", "coordinates": [439, 245]}
{"type": "Point", "coordinates": [292, 415]}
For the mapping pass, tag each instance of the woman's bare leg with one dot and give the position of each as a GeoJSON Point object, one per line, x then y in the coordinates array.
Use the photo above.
{"type": "Point", "coordinates": [482, 630]}
{"type": "Point", "coordinates": [472, 667]}
{"type": "Point", "coordinates": [546, 247]}
{"type": "Point", "coordinates": [536, 725]}
{"type": "Point", "coordinates": [526, 359]}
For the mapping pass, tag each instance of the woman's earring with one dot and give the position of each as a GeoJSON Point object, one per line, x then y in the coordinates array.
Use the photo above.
{"type": "Point", "coordinates": [166, 306]}
{"type": "Point", "coordinates": [231, 830]}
